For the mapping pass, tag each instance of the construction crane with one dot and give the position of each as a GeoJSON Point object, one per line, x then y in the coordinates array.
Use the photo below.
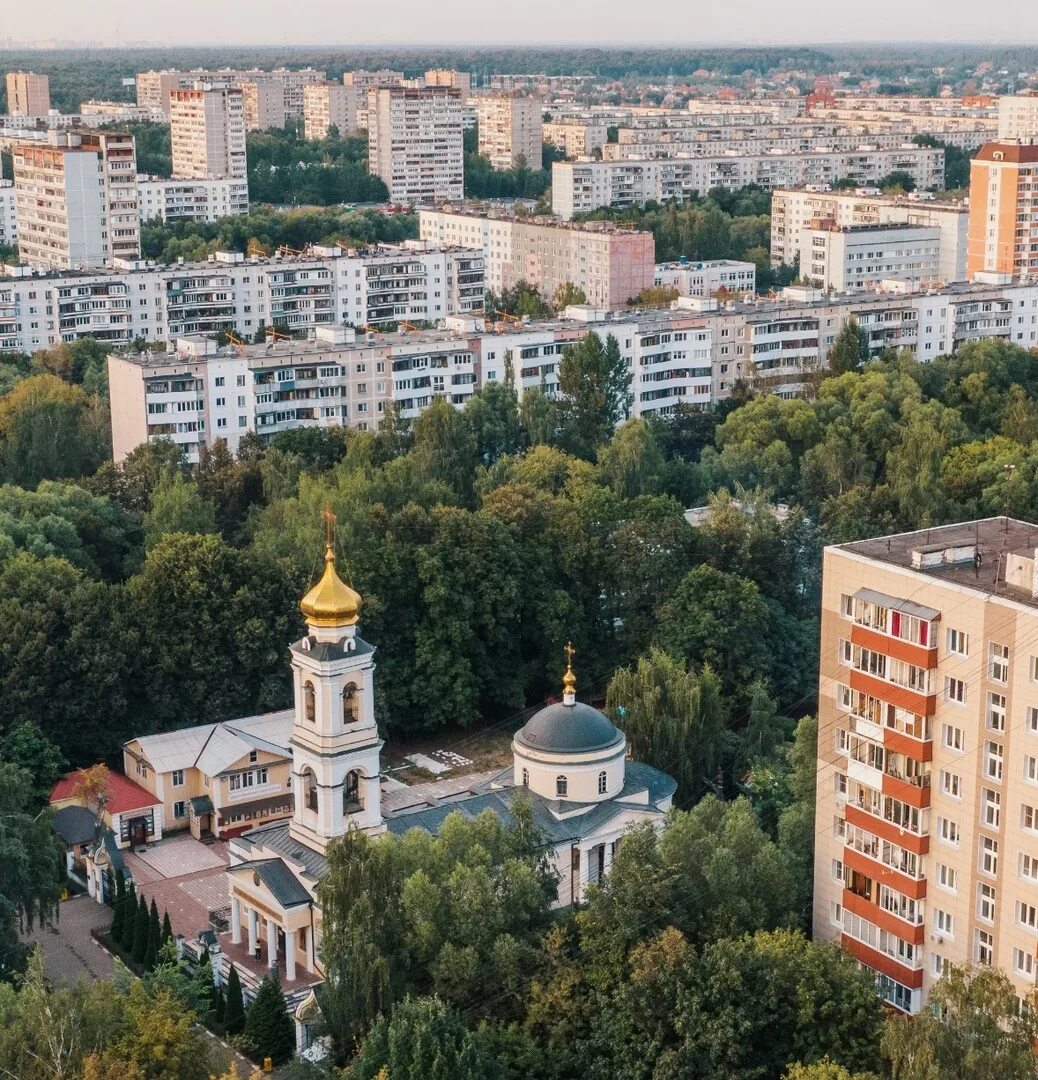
{"type": "Point", "coordinates": [276, 334]}
{"type": "Point", "coordinates": [404, 325]}
{"type": "Point", "coordinates": [509, 316]}
{"type": "Point", "coordinates": [236, 341]}
{"type": "Point", "coordinates": [284, 249]}
{"type": "Point", "coordinates": [255, 248]}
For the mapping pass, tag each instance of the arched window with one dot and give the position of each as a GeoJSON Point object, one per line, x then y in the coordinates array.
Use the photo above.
{"type": "Point", "coordinates": [349, 703]}
{"type": "Point", "coordinates": [526, 777]}
{"type": "Point", "coordinates": [561, 786]}
{"type": "Point", "coordinates": [602, 782]}
{"type": "Point", "coordinates": [309, 702]}
{"type": "Point", "coordinates": [310, 789]}
{"type": "Point", "coordinates": [351, 800]}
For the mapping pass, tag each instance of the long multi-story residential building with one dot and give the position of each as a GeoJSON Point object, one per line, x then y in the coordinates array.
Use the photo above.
{"type": "Point", "coordinates": [926, 828]}
{"type": "Point", "coordinates": [794, 210]}
{"type": "Point", "coordinates": [28, 94]}
{"type": "Point", "coordinates": [76, 199]}
{"type": "Point", "coordinates": [415, 142]}
{"type": "Point", "coordinates": [165, 199]}
{"type": "Point", "coordinates": [154, 87]}
{"type": "Point", "coordinates": [99, 113]}
{"type": "Point", "coordinates": [704, 279]}
{"type": "Point", "coordinates": [369, 79]}
{"type": "Point", "coordinates": [207, 130]}
{"type": "Point", "coordinates": [610, 264]}
{"type": "Point", "coordinates": [580, 187]}
{"type": "Point", "coordinates": [460, 80]}
{"type": "Point", "coordinates": [510, 131]}
{"type": "Point", "coordinates": [1003, 219]}
{"type": "Point", "coordinates": [576, 137]}
{"type": "Point", "coordinates": [8, 215]}
{"type": "Point", "coordinates": [333, 105]}
{"type": "Point", "coordinates": [858, 257]}
{"type": "Point", "coordinates": [264, 103]}
{"type": "Point", "coordinates": [1017, 118]}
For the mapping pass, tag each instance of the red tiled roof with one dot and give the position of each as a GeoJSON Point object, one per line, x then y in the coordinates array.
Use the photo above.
{"type": "Point", "coordinates": [123, 793]}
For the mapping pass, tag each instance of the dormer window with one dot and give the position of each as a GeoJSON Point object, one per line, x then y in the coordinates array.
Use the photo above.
{"type": "Point", "coordinates": [253, 755]}
{"type": "Point", "coordinates": [561, 786]}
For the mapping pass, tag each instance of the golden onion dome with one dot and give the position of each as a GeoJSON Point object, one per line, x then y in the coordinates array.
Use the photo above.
{"type": "Point", "coordinates": [569, 680]}
{"type": "Point", "coordinates": [331, 602]}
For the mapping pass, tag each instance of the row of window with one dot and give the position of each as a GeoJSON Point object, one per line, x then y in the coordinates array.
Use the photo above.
{"type": "Point", "coordinates": [562, 783]}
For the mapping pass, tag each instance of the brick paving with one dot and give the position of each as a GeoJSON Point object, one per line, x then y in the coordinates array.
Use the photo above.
{"type": "Point", "coordinates": [70, 954]}
{"type": "Point", "coordinates": [180, 855]}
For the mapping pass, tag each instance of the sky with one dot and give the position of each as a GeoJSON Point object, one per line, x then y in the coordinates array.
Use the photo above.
{"type": "Point", "coordinates": [518, 22]}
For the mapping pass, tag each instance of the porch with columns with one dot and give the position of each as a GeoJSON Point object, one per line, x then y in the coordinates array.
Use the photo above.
{"type": "Point", "coordinates": [261, 937]}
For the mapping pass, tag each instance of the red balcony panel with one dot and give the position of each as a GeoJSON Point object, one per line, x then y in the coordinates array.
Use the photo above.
{"type": "Point", "coordinates": [885, 875]}
{"type": "Point", "coordinates": [895, 647]}
{"type": "Point", "coordinates": [923, 704]}
{"type": "Point", "coordinates": [883, 919]}
{"type": "Point", "coordinates": [887, 830]}
{"type": "Point", "coordinates": [912, 794]}
{"type": "Point", "coordinates": [882, 963]}
{"type": "Point", "coordinates": [918, 749]}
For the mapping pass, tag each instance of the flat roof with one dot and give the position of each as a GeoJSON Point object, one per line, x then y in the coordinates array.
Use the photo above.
{"type": "Point", "coordinates": [994, 538]}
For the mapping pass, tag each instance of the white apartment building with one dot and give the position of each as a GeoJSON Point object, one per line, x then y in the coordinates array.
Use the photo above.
{"type": "Point", "coordinates": [164, 199]}
{"type": "Point", "coordinates": [793, 210]}
{"type": "Point", "coordinates": [98, 113]}
{"type": "Point", "coordinates": [859, 257]}
{"type": "Point", "coordinates": [1017, 118]}
{"type": "Point", "coordinates": [154, 87]}
{"type": "Point", "coordinates": [704, 279]}
{"type": "Point", "coordinates": [509, 131]}
{"type": "Point", "coordinates": [609, 263]}
{"type": "Point", "coordinates": [264, 103]}
{"type": "Point", "coordinates": [583, 186]}
{"type": "Point", "coordinates": [76, 199]}
{"type": "Point", "coordinates": [575, 138]}
{"type": "Point", "coordinates": [232, 294]}
{"type": "Point", "coordinates": [460, 80]}
{"type": "Point", "coordinates": [333, 105]}
{"type": "Point", "coordinates": [415, 142]}
{"type": "Point", "coordinates": [369, 79]}
{"type": "Point", "coordinates": [207, 130]}
{"type": "Point", "coordinates": [8, 215]}
{"type": "Point", "coordinates": [28, 94]}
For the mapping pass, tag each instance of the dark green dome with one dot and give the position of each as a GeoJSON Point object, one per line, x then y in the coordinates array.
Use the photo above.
{"type": "Point", "coordinates": [569, 729]}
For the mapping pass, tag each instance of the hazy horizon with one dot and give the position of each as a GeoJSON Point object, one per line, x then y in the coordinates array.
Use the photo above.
{"type": "Point", "coordinates": [464, 23]}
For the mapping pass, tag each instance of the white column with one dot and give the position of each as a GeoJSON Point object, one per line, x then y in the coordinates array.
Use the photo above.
{"type": "Point", "coordinates": [290, 955]}
{"type": "Point", "coordinates": [310, 961]}
{"type": "Point", "coordinates": [99, 886]}
{"type": "Point", "coordinates": [235, 920]}
{"type": "Point", "coordinates": [90, 879]}
{"type": "Point", "coordinates": [272, 942]}
{"type": "Point", "coordinates": [583, 870]}
{"type": "Point", "coordinates": [608, 861]}
{"type": "Point", "coordinates": [372, 797]}
{"type": "Point", "coordinates": [253, 931]}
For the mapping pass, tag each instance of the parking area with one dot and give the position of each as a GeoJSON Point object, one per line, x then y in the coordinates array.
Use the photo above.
{"type": "Point", "coordinates": [70, 954]}
{"type": "Point", "coordinates": [184, 877]}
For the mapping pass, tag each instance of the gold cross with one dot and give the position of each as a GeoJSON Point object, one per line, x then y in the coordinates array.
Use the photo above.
{"type": "Point", "coordinates": [570, 652]}
{"type": "Point", "coordinates": [329, 527]}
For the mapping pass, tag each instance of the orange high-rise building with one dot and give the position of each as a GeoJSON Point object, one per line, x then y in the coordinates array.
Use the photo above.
{"type": "Point", "coordinates": [1003, 222]}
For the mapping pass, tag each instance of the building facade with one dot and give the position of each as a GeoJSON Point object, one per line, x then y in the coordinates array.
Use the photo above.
{"type": "Point", "coordinates": [1018, 118]}
{"type": "Point", "coordinates": [28, 94]}
{"type": "Point", "coordinates": [8, 215]}
{"type": "Point", "coordinates": [163, 199]}
{"type": "Point", "coordinates": [333, 105]}
{"type": "Point", "coordinates": [415, 142]}
{"type": "Point", "coordinates": [154, 87]}
{"type": "Point", "coordinates": [926, 841]}
{"type": "Point", "coordinates": [1003, 236]}
{"type": "Point", "coordinates": [584, 186]}
{"type": "Point", "coordinates": [510, 131]}
{"type": "Point", "coordinates": [207, 130]}
{"type": "Point", "coordinates": [704, 279]}
{"type": "Point", "coordinates": [264, 103]}
{"type": "Point", "coordinates": [864, 257]}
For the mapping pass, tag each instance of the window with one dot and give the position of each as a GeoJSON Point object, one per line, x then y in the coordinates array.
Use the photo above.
{"type": "Point", "coordinates": [561, 786]}
{"type": "Point", "coordinates": [349, 703]}
{"type": "Point", "coordinates": [984, 948]}
{"type": "Point", "coordinates": [996, 712]}
{"type": "Point", "coordinates": [1030, 769]}
{"type": "Point", "coordinates": [180, 809]}
{"type": "Point", "coordinates": [309, 702]}
{"type": "Point", "coordinates": [946, 877]}
{"type": "Point", "coordinates": [253, 755]}
{"type": "Point", "coordinates": [310, 789]}
{"type": "Point", "coordinates": [219, 380]}
{"type": "Point", "coordinates": [1023, 963]}
{"type": "Point", "coordinates": [992, 808]}
{"type": "Point", "coordinates": [1027, 915]}
{"type": "Point", "coordinates": [1028, 867]}
{"type": "Point", "coordinates": [351, 802]}
{"type": "Point", "coordinates": [526, 777]}
{"type": "Point", "coordinates": [837, 870]}
{"type": "Point", "coordinates": [847, 606]}
{"type": "Point", "coordinates": [951, 784]}
{"type": "Point", "coordinates": [989, 856]}
{"type": "Point", "coordinates": [836, 913]}
{"type": "Point", "coordinates": [1029, 818]}
{"type": "Point", "coordinates": [951, 737]}
{"type": "Point", "coordinates": [955, 690]}
{"type": "Point", "coordinates": [945, 923]}
{"type": "Point", "coordinates": [999, 663]}
{"type": "Point", "coordinates": [177, 778]}
{"type": "Point", "coordinates": [947, 830]}
{"type": "Point", "coordinates": [993, 761]}
{"type": "Point", "coordinates": [940, 965]}
{"type": "Point", "coordinates": [958, 642]}
{"type": "Point", "coordinates": [986, 902]}
{"type": "Point", "coordinates": [602, 783]}
{"type": "Point", "coordinates": [1031, 717]}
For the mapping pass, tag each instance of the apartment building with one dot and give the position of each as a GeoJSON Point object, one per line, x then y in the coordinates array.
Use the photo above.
{"type": "Point", "coordinates": [793, 210]}
{"type": "Point", "coordinates": [1003, 217]}
{"type": "Point", "coordinates": [1017, 118]}
{"type": "Point", "coordinates": [460, 80]}
{"type": "Point", "coordinates": [76, 199]}
{"type": "Point", "coordinates": [8, 215]}
{"type": "Point", "coordinates": [576, 138]}
{"type": "Point", "coordinates": [369, 79]}
{"type": "Point", "coordinates": [28, 94]}
{"type": "Point", "coordinates": [207, 130]}
{"type": "Point", "coordinates": [858, 257]}
{"type": "Point", "coordinates": [704, 279]}
{"type": "Point", "coordinates": [509, 131]}
{"type": "Point", "coordinates": [609, 263]}
{"type": "Point", "coordinates": [333, 105]}
{"type": "Point", "coordinates": [155, 87]}
{"type": "Point", "coordinates": [99, 113]}
{"type": "Point", "coordinates": [264, 103]}
{"type": "Point", "coordinates": [415, 142]}
{"type": "Point", "coordinates": [583, 186]}
{"type": "Point", "coordinates": [926, 842]}
{"type": "Point", "coordinates": [164, 199]}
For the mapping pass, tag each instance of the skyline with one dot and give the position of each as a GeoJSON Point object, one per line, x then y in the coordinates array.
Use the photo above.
{"type": "Point", "coordinates": [464, 23]}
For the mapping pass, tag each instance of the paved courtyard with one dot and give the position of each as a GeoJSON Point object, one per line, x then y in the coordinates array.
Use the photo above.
{"type": "Point", "coordinates": [70, 954]}
{"type": "Point", "coordinates": [185, 878]}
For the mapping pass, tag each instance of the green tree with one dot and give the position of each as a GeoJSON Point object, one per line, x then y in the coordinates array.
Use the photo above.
{"type": "Point", "coordinates": [850, 349]}
{"type": "Point", "coordinates": [492, 414]}
{"type": "Point", "coordinates": [177, 507]}
{"type": "Point", "coordinates": [423, 1039]}
{"type": "Point", "coordinates": [129, 928]}
{"type": "Point", "coordinates": [268, 1027]}
{"type": "Point", "coordinates": [567, 295]}
{"type": "Point", "coordinates": [973, 1030]}
{"type": "Point", "coordinates": [154, 936]}
{"type": "Point", "coordinates": [141, 930]}
{"type": "Point", "coordinates": [167, 930]}
{"type": "Point", "coordinates": [234, 1009]}
{"type": "Point", "coordinates": [28, 748]}
{"type": "Point", "coordinates": [119, 911]}
{"type": "Point", "coordinates": [823, 1070]}
{"type": "Point", "coordinates": [445, 449]}
{"type": "Point", "coordinates": [595, 393]}
{"type": "Point", "coordinates": [631, 462]}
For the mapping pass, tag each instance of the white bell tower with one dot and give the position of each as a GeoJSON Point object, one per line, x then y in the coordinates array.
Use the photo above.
{"type": "Point", "coordinates": [335, 742]}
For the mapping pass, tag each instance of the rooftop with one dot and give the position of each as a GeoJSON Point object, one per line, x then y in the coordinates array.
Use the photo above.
{"type": "Point", "coordinates": [1007, 549]}
{"type": "Point", "coordinates": [123, 793]}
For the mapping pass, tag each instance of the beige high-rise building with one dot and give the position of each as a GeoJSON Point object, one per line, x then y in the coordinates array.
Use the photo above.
{"type": "Point", "coordinates": [155, 87]}
{"type": "Point", "coordinates": [368, 79]}
{"type": "Point", "coordinates": [76, 199]}
{"type": "Point", "coordinates": [264, 101]}
{"type": "Point", "coordinates": [510, 131]}
{"type": "Point", "coordinates": [207, 129]}
{"type": "Point", "coordinates": [333, 105]}
{"type": "Point", "coordinates": [1003, 236]}
{"type": "Point", "coordinates": [460, 80]}
{"type": "Point", "coordinates": [28, 94]}
{"type": "Point", "coordinates": [926, 829]}
{"type": "Point", "coordinates": [415, 142]}
{"type": "Point", "coordinates": [1018, 117]}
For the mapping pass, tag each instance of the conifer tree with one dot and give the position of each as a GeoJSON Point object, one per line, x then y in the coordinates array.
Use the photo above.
{"type": "Point", "coordinates": [129, 918]}
{"type": "Point", "coordinates": [140, 932]}
{"type": "Point", "coordinates": [268, 1027]}
{"type": "Point", "coordinates": [167, 929]}
{"type": "Point", "coordinates": [234, 1008]}
{"type": "Point", "coordinates": [219, 1005]}
{"type": "Point", "coordinates": [119, 914]}
{"type": "Point", "coordinates": [154, 936]}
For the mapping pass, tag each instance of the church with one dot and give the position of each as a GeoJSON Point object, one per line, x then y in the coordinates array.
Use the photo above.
{"type": "Point", "coordinates": [569, 760]}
